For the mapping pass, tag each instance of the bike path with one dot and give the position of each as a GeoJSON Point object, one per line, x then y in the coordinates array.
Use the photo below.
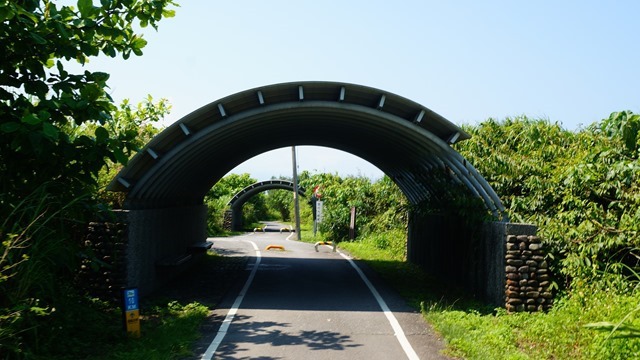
{"type": "Point", "coordinates": [303, 304]}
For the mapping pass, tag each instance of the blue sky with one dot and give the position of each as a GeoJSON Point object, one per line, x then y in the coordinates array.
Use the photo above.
{"type": "Point", "coordinates": [572, 62]}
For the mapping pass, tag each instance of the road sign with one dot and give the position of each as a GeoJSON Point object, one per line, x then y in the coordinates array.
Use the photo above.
{"type": "Point", "coordinates": [131, 299]}
{"type": "Point", "coordinates": [316, 192]}
{"type": "Point", "coordinates": [319, 214]}
{"type": "Point", "coordinates": [132, 312]}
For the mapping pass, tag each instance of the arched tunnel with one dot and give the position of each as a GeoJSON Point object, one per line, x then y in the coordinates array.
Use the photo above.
{"type": "Point", "coordinates": [166, 182]}
{"type": "Point", "coordinates": [238, 200]}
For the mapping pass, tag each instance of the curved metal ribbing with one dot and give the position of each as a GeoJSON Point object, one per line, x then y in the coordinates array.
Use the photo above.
{"type": "Point", "coordinates": [245, 194]}
{"type": "Point", "coordinates": [406, 140]}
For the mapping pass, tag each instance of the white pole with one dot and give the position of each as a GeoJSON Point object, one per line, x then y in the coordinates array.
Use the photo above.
{"type": "Point", "coordinates": [296, 202]}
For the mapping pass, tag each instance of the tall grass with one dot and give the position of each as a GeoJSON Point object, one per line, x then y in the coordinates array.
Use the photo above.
{"type": "Point", "coordinates": [624, 328]}
{"type": "Point", "coordinates": [558, 334]}
{"type": "Point", "coordinates": [35, 254]}
{"type": "Point", "coordinates": [45, 315]}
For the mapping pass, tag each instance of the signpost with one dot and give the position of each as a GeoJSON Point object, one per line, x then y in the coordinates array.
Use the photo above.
{"type": "Point", "coordinates": [352, 224]}
{"type": "Point", "coordinates": [316, 202]}
{"type": "Point", "coordinates": [319, 214]}
{"type": "Point", "coordinates": [296, 201]}
{"type": "Point", "coordinates": [132, 312]}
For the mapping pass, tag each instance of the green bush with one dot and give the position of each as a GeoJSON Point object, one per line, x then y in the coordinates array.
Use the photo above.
{"type": "Point", "coordinates": [380, 206]}
{"type": "Point", "coordinates": [216, 208]}
{"type": "Point", "coordinates": [579, 187]}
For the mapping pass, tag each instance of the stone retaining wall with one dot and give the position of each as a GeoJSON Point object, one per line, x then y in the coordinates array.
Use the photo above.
{"type": "Point", "coordinates": [527, 275]}
{"type": "Point", "coordinates": [227, 222]}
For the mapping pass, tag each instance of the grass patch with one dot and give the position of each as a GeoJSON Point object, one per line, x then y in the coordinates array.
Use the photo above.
{"type": "Point", "coordinates": [96, 332]}
{"type": "Point", "coordinates": [388, 246]}
{"type": "Point", "coordinates": [168, 332]}
{"type": "Point", "coordinates": [474, 331]}
{"type": "Point", "coordinates": [558, 334]}
{"type": "Point", "coordinates": [170, 319]}
{"type": "Point", "coordinates": [306, 234]}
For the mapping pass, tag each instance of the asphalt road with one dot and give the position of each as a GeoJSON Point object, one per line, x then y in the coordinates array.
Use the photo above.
{"type": "Point", "coordinates": [302, 304]}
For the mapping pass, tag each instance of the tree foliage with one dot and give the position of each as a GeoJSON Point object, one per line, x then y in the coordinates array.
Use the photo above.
{"type": "Point", "coordinates": [279, 203]}
{"type": "Point", "coordinates": [380, 205]}
{"type": "Point", "coordinates": [58, 129]}
{"type": "Point", "coordinates": [40, 100]}
{"type": "Point", "coordinates": [579, 187]}
{"type": "Point", "coordinates": [139, 123]}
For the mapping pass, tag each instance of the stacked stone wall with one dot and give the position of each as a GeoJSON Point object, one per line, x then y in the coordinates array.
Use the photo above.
{"type": "Point", "coordinates": [527, 275]}
{"type": "Point", "coordinates": [103, 269]}
{"type": "Point", "coordinates": [227, 221]}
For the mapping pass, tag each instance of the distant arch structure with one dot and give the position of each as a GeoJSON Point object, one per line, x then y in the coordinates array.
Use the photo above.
{"type": "Point", "coordinates": [239, 199]}
{"type": "Point", "coordinates": [167, 181]}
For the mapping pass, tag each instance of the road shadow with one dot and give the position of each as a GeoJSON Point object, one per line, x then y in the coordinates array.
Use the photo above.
{"type": "Point", "coordinates": [207, 281]}
{"type": "Point", "coordinates": [218, 276]}
{"type": "Point", "coordinates": [423, 291]}
{"type": "Point", "coordinates": [244, 333]}
{"type": "Point", "coordinates": [229, 252]}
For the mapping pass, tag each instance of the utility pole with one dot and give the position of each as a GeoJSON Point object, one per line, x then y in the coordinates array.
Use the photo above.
{"type": "Point", "coordinates": [296, 201]}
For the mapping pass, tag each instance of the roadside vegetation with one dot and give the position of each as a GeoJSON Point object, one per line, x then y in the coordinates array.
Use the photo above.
{"type": "Point", "coordinates": [61, 138]}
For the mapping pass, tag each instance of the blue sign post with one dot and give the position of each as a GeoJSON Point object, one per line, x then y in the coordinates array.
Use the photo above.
{"type": "Point", "coordinates": [132, 312]}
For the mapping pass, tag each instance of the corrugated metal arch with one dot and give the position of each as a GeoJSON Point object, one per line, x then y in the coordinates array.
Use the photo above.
{"type": "Point", "coordinates": [245, 194]}
{"type": "Point", "coordinates": [239, 199]}
{"type": "Point", "coordinates": [406, 140]}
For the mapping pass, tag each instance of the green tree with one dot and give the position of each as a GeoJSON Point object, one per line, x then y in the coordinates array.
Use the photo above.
{"type": "Point", "coordinates": [49, 159]}
{"type": "Point", "coordinates": [280, 204]}
{"type": "Point", "coordinates": [40, 100]}
{"type": "Point", "coordinates": [139, 123]}
{"type": "Point", "coordinates": [230, 185]}
{"type": "Point", "coordinates": [380, 206]}
{"type": "Point", "coordinates": [579, 187]}
{"type": "Point", "coordinates": [389, 207]}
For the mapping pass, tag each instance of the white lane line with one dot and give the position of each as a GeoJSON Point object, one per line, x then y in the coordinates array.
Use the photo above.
{"type": "Point", "coordinates": [211, 350]}
{"type": "Point", "coordinates": [399, 333]}
{"type": "Point", "coordinates": [289, 237]}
